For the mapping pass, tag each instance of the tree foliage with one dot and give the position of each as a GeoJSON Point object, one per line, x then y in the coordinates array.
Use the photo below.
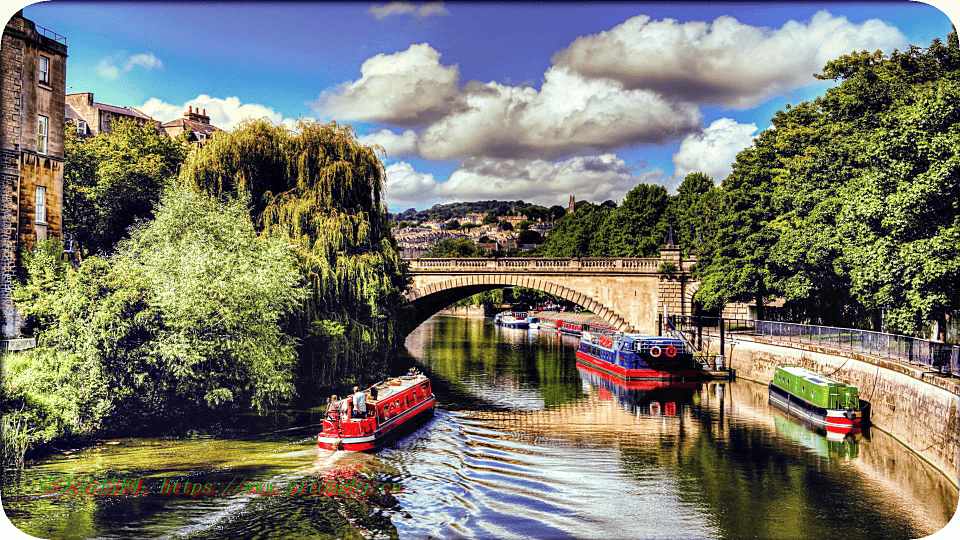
{"type": "Point", "coordinates": [183, 320]}
{"type": "Point", "coordinates": [319, 189]}
{"type": "Point", "coordinates": [113, 180]}
{"type": "Point", "coordinates": [848, 206]}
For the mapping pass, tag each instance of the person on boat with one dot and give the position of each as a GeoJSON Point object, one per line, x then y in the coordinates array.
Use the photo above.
{"type": "Point", "coordinates": [359, 403]}
{"type": "Point", "coordinates": [333, 406]}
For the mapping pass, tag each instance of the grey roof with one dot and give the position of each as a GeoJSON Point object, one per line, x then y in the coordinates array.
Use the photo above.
{"type": "Point", "coordinates": [126, 111]}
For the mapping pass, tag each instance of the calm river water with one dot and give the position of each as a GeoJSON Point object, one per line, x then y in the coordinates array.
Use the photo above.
{"type": "Point", "coordinates": [523, 445]}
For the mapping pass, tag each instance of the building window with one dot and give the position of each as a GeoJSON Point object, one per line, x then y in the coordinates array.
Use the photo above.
{"type": "Point", "coordinates": [42, 134]}
{"type": "Point", "coordinates": [43, 70]}
{"type": "Point", "coordinates": [41, 205]}
{"type": "Point", "coordinates": [82, 127]}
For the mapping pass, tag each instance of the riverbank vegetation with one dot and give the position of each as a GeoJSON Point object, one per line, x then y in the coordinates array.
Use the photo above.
{"type": "Point", "coordinates": [266, 270]}
{"type": "Point", "coordinates": [846, 207]}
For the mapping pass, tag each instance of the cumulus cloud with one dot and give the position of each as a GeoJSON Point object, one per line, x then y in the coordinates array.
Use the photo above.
{"type": "Point", "coordinates": [111, 66]}
{"type": "Point", "coordinates": [569, 115]}
{"type": "Point", "coordinates": [404, 144]}
{"type": "Point", "coordinates": [713, 150]}
{"type": "Point", "coordinates": [723, 62]}
{"type": "Point", "coordinates": [406, 188]}
{"type": "Point", "coordinates": [225, 113]}
{"type": "Point", "coordinates": [407, 88]}
{"type": "Point", "coordinates": [421, 11]}
{"type": "Point", "coordinates": [596, 178]}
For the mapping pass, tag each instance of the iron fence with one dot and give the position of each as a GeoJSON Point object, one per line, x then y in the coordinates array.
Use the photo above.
{"type": "Point", "coordinates": [942, 357]}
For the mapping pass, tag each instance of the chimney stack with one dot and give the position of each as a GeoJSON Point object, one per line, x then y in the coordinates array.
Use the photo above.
{"type": "Point", "coordinates": [204, 111]}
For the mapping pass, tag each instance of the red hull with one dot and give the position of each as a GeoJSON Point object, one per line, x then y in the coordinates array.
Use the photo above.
{"type": "Point", "coordinates": [633, 374]}
{"type": "Point", "coordinates": [402, 402]}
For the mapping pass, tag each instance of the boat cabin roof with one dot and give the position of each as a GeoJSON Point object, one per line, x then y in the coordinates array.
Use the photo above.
{"type": "Point", "coordinates": [397, 385]}
{"type": "Point", "coordinates": [810, 375]}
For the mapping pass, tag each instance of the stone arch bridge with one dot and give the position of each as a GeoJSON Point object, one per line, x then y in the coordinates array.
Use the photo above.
{"type": "Point", "coordinates": [626, 292]}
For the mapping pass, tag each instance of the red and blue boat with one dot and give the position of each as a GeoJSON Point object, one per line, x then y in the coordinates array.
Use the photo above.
{"type": "Point", "coordinates": [633, 357]}
{"type": "Point", "coordinates": [392, 406]}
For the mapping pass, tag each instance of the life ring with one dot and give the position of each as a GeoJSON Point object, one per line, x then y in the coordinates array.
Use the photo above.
{"type": "Point", "coordinates": [671, 351]}
{"type": "Point", "coordinates": [655, 351]}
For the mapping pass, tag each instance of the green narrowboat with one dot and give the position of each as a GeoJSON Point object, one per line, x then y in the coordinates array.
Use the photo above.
{"type": "Point", "coordinates": [822, 401]}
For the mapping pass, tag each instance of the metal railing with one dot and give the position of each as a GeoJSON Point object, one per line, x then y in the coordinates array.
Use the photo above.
{"type": "Point", "coordinates": [942, 357]}
{"type": "Point", "coordinates": [50, 34]}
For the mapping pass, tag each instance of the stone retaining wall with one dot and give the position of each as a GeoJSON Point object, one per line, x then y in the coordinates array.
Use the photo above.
{"type": "Point", "coordinates": [920, 409]}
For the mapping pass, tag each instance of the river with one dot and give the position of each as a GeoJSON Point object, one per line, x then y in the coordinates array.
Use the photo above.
{"type": "Point", "coordinates": [522, 445]}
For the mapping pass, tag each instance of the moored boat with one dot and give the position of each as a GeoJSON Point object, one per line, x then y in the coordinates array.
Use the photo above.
{"type": "Point", "coordinates": [533, 323]}
{"type": "Point", "coordinates": [637, 357]}
{"type": "Point", "coordinates": [392, 405]}
{"type": "Point", "coordinates": [547, 324]}
{"type": "Point", "coordinates": [575, 328]}
{"type": "Point", "coordinates": [822, 401]}
{"type": "Point", "coordinates": [516, 319]}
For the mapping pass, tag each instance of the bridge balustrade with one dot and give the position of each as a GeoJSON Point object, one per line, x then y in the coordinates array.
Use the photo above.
{"type": "Point", "coordinates": [537, 264]}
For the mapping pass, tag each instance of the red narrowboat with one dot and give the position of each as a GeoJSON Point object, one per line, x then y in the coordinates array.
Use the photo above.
{"type": "Point", "coordinates": [391, 406]}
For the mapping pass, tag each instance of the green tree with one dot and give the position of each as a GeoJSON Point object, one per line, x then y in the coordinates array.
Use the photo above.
{"type": "Point", "coordinates": [113, 180]}
{"type": "Point", "coordinates": [182, 322]}
{"type": "Point", "coordinates": [453, 247]}
{"type": "Point", "coordinates": [320, 189]}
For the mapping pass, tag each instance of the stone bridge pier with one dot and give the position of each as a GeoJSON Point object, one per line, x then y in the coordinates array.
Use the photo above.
{"type": "Point", "coordinates": [626, 292]}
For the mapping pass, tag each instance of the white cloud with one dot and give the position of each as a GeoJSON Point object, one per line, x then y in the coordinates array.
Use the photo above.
{"type": "Point", "coordinates": [595, 178]}
{"type": "Point", "coordinates": [725, 61]}
{"type": "Point", "coordinates": [404, 144]}
{"type": "Point", "coordinates": [421, 11]}
{"type": "Point", "coordinates": [406, 188]}
{"type": "Point", "coordinates": [109, 67]}
{"type": "Point", "coordinates": [569, 115]}
{"type": "Point", "coordinates": [407, 88]}
{"type": "Point", "coordinates": [225, 113]}
{"type": "Point", "coordinates": [714, 150]}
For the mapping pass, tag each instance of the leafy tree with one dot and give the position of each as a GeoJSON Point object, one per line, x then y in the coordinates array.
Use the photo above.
{"type": "Point", "coordinates": [319, 189]}
{"type": "Point", "coordinates": [530, 237]}
{"type": "Point", "coordinates": [113, 180]}
{"type": "Point", "coordinates": [452, 225]}
{"type": "Point", "coordinates": [506, 225]}
{"type": "Point", "coordinates": [635, 229]}
{"type": "Point", "coordinates": [184, 320]}
{"type": "Point", "coordinates": [453, 247]}
{"type": "Point", "coordinates": [557, 212]}
{"type": "Point", "coordinates": [490, 219]}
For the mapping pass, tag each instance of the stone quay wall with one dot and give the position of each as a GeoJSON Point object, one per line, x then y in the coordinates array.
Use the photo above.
{"type": "Point", "coordinates": [917, 407]}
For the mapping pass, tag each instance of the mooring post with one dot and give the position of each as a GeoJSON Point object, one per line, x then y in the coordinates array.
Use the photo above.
{"type": "Point", "coordinates": [659, 324]}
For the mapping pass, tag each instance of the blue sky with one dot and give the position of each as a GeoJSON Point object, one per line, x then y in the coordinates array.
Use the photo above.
{"type": "Point", "coordinates": [481, 101]}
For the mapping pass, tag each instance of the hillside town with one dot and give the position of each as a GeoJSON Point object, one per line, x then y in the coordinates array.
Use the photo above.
{"type": "Point", "coordinates": [503, 235]}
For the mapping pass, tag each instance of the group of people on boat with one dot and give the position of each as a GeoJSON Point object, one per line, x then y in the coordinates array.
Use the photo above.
{"type": "Point", "coordinates": [354, 405]}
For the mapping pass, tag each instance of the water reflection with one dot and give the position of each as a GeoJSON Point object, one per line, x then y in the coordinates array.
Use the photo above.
{"type": "Point", "coordinates": [523, 445]}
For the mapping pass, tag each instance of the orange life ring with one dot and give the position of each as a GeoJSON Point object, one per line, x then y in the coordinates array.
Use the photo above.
{"type": "Point", "coordinates": [655, 351]}
{"type": "Point", "coordinates": [671, 351]}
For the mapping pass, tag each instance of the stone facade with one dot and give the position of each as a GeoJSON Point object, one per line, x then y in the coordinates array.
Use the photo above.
{"type": "Point", "coordinates": [33, 84]}
{"type": "Point", "coordinates": [96, 117]}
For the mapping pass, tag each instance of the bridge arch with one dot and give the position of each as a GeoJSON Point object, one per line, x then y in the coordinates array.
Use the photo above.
{"type": "Point", "coordinates": [434, 297]}
{"type": "Point", "coordinates": [628, 293]}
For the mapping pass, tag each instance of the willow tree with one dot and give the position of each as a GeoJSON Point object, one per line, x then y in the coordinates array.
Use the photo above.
{"type": "Point", "coordinates": [320, 189]}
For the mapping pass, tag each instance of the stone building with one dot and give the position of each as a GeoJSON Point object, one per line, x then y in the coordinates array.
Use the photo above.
{"type": "Point", "coordinates": [91, 118]}
{"type": "Point", "coordinates": [198, 123]}
{"type": "Point", "coordinates": [33, 82]}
